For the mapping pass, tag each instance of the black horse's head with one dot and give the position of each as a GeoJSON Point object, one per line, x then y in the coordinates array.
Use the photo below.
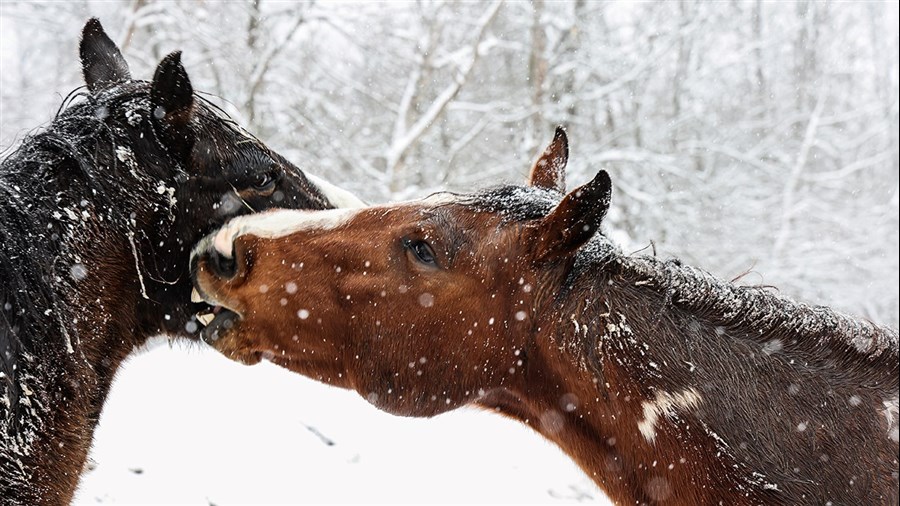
{"type": "Point", "coordinates": [198, 166]}
{"type": "Point", "coordinates": [98, 214]}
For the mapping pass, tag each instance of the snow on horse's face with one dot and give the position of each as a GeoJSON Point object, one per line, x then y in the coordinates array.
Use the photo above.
{"type": "Point", "coordinates": [205, 166]}
{"type": "Point", "coordinates": [419, 306]}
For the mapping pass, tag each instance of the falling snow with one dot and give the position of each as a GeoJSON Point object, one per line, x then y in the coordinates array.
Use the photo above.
{"type": "Point", "coordinates": [729, 184]}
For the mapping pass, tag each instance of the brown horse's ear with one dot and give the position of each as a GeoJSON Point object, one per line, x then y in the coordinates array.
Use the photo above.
{"type": "Point", "coordinates": [171, 93]}
{"type": "Point", "coordinates": [101, 61]}
{"type": "Point", "coordinates": [549, 171]}
{"type": "Point", "coordinates": [575, 220]}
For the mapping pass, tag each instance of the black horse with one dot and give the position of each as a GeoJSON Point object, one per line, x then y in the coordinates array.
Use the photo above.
{"type": "Point", "coordinates": [98, 213]}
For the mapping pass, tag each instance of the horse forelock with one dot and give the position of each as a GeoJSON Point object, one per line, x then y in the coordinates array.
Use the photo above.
{"type": "Point", "coordinates": [514, 203]}
{"type": "Point", "coordinates": [213, 123]}
{"type": "Point", "coordinates": [209, 113]}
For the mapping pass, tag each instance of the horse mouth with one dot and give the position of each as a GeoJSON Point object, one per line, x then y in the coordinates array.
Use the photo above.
{"type": "Point", "coordinates": [216, 319]}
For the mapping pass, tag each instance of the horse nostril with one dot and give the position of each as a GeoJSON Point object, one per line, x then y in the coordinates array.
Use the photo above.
{"type": "Point", "coordinates": [223, 266]}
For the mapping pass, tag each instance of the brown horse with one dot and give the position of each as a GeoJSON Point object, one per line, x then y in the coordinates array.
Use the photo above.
{"type": "Point", "coordinates": [663, 383]}
{"type": "Point", "coordinates": [98, 213]}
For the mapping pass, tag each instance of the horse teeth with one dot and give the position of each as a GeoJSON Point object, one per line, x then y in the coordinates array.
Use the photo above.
{"type": "Point", "coordinates": [195, 296]}
{"type": "Point", "coordinates": [205, 319]}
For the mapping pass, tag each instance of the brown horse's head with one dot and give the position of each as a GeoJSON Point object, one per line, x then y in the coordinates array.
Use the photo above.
{"type": "Point", "coordinates": [420, 306]}
{"type": "Point", "coordinates": [657, 379]}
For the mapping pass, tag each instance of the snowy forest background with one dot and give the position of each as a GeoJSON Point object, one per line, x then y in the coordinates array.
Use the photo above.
{"type": "Point", "coordinates": [750, 138]}
{"type": "Point", "coordinates": [740, 135]}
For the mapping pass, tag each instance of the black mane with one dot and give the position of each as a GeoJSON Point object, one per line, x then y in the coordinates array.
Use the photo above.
{"type": "Point", "coordinates": [80, 166]}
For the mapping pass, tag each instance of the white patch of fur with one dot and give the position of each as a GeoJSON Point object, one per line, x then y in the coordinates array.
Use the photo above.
{"type": "Point", "coordinates": [272, 224]}
{"type": "Point", "coordinates": [153, 343]}
{"type": "Point", "coordinates": [337, 196]}
{"type": "Point", "coordinates": [665, 404]}
{"type": "Point", "coordinates": [202, 245]}
{"type": "Point", "coordinates": [280, 223]}
{"type": "Point", "coordinates": [890, 411]}
{"type": "Point", "coordinates": [891, 415]}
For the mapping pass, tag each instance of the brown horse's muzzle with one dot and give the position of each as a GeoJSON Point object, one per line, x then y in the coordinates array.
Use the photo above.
{"type": "Point", "coordinates": [220, 263]}
{"type": "Point", "coordinates": [218, 266]}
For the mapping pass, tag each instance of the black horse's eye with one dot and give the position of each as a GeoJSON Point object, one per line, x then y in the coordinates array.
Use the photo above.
{"type": "Point", "coordinates": [264, 182]}
{"type": "Point", "coordinates": [421, 250]}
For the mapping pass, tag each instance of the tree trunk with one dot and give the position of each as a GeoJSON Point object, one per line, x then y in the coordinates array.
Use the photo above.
{"type": "Point", "coordinates": [537, 73]}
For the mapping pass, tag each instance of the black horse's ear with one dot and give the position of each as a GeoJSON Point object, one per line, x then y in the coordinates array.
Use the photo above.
{"type": "Point", "coordinates": [549, 171]}
{"type": "Point", "coordinates": [171, 94]}
{"type": "Point", "coordinates": [575, 220]}
{"type": "Point", "coordinates": [101, 61]}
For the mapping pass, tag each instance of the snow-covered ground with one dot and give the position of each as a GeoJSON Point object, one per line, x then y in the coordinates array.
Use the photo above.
{"type": "Point", "coordinates": [184, 425]}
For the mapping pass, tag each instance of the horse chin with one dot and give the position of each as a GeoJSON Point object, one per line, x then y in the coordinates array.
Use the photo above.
{"type": "Point", "coordinates": [246, 357]}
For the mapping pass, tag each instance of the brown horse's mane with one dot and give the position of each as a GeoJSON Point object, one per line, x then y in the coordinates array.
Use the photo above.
{"type": "Point", "coordinates": [759, 314]}
{"type": "Point", "coordinates": [746, 312]}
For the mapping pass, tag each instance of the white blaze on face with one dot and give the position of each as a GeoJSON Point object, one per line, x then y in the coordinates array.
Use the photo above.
{"type": "Point", "coordinates": [274, 224]}
{"type": "Point", "coordinates": [280, 223]}
{"type": "Point", "coordinates": [271, 224]}
{"type": "Point", "coordinates": [665, 404]}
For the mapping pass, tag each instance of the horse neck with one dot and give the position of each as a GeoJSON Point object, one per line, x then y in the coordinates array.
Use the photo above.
{"type": "Point", "coordinates": [83, 330]}
{"type": "Point", "coordinates": [560, 396]}
{"type": "Point", "coordinates": [562, 400]}
{"type": "Point", "coordinates": [649, 394]}
{"type": "Point", "coordinates": [589, 387]}
{"type": "Point", "coordinates": [70, 365]}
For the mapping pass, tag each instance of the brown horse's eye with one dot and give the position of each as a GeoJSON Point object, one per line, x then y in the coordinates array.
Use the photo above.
{"type": "Point", "coordinates": [421, 250]}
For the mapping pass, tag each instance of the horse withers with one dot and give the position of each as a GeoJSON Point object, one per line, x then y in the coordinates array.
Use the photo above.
{"type": "Point", "coordinates": [663, 383]}
{"type": "Point", "coordinates": [98, 213]}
